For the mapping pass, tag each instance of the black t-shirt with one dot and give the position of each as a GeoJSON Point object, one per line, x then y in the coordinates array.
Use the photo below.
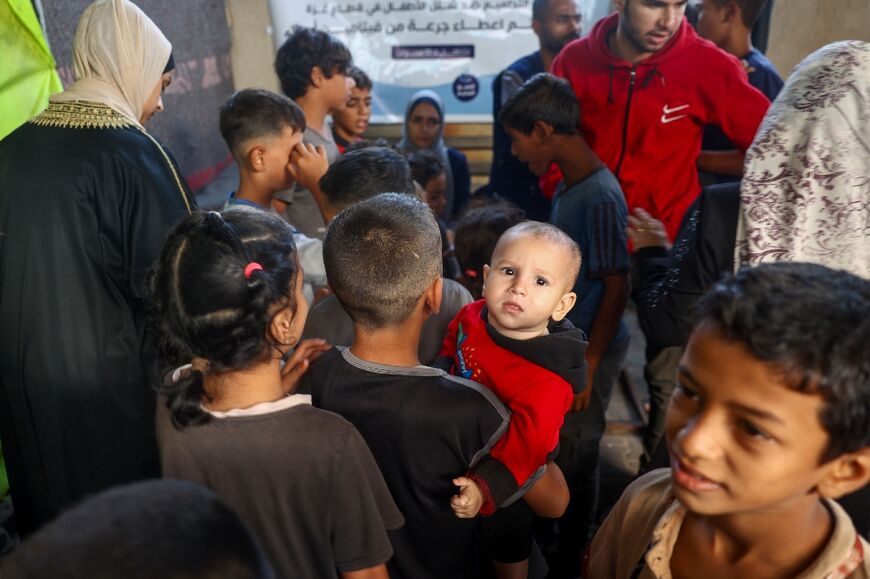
{"type": "Point", "coordinates": [302, 479]}
{"type": "Point", "coordinates": [424, 427]}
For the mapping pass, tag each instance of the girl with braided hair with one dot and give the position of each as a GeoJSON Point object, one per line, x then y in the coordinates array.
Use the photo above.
{"type": "Point", "coordinates": [229, 306]}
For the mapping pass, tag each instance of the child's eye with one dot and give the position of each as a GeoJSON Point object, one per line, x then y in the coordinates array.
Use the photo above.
{"type": "Point", "coordinates": [749, 428]}
{"type": "Point", "coordinates": [684, 391]}
{"type": "Point", "coordinates": [541, 281]}
{"type": "Point", "coordinates": [508, 271]}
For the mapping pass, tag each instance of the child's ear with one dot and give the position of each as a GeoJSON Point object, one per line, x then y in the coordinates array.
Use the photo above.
{"type": "Point", "coordinates": [257, 159]}
{"type": "Point", "coordinates": [542, 131]}
{"type": "Point", "coordinates": [564, 306]}
{"type": "Point", "coordinates": [316, 77]}
{"type": "Point", "coordinates": [847, 474]}
{"type": "Point", "coordinates": [281, 328]}
{"type": "Point", "coordinates": [732, 13]}
{"type": "Point", "coordinates": [486, 270]}
{"type": "Point", "coordinates": [432, 297]}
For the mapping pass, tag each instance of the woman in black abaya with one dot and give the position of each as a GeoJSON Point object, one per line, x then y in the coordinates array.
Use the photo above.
{"type": "Point", "coordinates": [86, 198]}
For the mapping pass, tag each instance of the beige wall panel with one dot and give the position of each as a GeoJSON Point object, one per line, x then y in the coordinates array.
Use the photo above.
{"type": "Point", "coordinates": [799, 27]}
{"type": "Point", "coordinates": [252, 53]}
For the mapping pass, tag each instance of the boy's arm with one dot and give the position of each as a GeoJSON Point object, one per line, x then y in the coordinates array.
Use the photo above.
{"type": "Point", "coordinates": [549, 496]}
{"type": "Point", "coordinates": [721, 162]}
{"type": "Point", "coordinates": [738, 107]}
{"type": "Point", "coordinates": [604, 327]}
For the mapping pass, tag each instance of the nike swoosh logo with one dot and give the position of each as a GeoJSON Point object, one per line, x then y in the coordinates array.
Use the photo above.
{"type": "Point", "coordinates": [668, 111]}
{"type": "Point", "coordinates": [666, 120]}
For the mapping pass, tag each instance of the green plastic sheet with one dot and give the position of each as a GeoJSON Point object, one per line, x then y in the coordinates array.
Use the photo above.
{"type": "Point", "coordinates": [27, 68]}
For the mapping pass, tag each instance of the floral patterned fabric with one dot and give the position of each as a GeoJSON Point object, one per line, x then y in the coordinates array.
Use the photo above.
{"type": "Point", "coordinates": [806, 187]}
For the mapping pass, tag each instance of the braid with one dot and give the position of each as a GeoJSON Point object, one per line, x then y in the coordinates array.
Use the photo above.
{"type": "Point", "coordinates": [207, 307]}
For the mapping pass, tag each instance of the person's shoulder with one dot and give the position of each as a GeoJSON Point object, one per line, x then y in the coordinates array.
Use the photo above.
{"type": "Point", "coordinates": [601, 186]}
{"type": "Point", "coordinates": [526, 63]}
{"type": "Point", "coordinates": [455, 292]}
{"type": "Point", "coordinates": [646, 498]}
{"type": "Point", "coordinates": [455, 155]}
{"type": "Point", "coordinates": [329, 426]}
{"type": "Point", "coordinates": [471, 389]}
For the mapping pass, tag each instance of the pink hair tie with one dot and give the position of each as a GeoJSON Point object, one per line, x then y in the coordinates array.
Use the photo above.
{"type": "Point", "coordinates": [251, 268]}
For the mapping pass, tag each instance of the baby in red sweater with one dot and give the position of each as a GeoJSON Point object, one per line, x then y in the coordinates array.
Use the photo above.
{"type": "Point", "coordinates": [518, 343]}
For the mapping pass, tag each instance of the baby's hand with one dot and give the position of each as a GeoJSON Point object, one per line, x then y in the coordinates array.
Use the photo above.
{"type": "Point", "coordinates": [467, 503]}
{"type": "Point", "coordinates": [308, 164]}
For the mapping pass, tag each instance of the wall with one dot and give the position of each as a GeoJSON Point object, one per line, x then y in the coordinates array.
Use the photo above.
{"type": "Point", "coordinates": [253, 51]}
{"type": "Point", "coordinates": [202, 80]}
{"type": "Point", "coordinates": [798, 27]}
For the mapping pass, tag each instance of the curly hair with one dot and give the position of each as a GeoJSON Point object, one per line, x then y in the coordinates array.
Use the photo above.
{"type": "Point", "coordinates": [811, 323]}
{"type": "Point", "coordinates": [304, 49]}
{"type": "Point", "coordinates": [205, 306]}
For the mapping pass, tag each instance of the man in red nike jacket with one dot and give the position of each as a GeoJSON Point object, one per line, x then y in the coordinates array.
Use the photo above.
{"type": "Point", "coordinates": [647, 85]}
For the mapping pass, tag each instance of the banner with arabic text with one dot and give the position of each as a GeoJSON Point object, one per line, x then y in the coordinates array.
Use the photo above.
{"type": "Point", "coordinates": [454, 47]}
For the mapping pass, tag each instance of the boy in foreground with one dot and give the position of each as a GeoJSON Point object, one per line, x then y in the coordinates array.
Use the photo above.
{"type": "Point", "coordinates": [423, 426]}
{"type": "Point", "coordinates": [769, 422]}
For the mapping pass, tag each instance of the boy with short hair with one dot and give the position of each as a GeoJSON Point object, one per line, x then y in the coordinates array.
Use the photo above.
{"type": "Point", "coordinates": [312, 67]}
{"type": "Point", "coordinates": [349, 124]}
{"type": "Point", "coordinates": [423, 426]}
{"type": "Point", "coordinates": [767, 425]}
{"type": "Point", "coordinates": [517, 342]}
{"type": "Point", "coordinates": [543, 119]}
{"type": "Point", "coordinates": [728, 24]}
{"type": "Point", "coordinates": [356, 176]}
{"type": "Point", "coordinates": [264, 133]}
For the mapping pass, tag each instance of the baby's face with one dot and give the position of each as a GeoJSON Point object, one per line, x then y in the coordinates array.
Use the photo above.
{"type": "Point", "coordinates": [526, 285]}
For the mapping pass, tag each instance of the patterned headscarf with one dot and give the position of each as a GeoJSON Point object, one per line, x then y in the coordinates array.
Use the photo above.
{"type": "Point", "coordinates": [119, 55]}
{"type": "Point", "coordinates": [806, 186]}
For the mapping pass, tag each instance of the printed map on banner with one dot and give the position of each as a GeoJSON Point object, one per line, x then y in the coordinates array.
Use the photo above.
{"type": "Point", "coordinates": [454, 47]}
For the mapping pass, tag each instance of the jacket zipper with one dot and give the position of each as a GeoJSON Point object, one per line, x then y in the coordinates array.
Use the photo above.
{"type": "Point", "coordinates": [625, 123]}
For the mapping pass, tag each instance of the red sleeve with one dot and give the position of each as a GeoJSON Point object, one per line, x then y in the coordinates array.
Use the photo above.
{"type": "Point", "coordinates": [738, 107]}
{"type": "Point", "coordinates": [448, 347]}
{"type": "Point", "coordinates": [549, 181]}
{"type": "Point", "coordinates": [537, 413]}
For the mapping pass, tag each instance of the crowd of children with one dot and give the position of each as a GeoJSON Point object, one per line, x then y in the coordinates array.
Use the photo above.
{"type": "Point", "coordinates": [378, 374]}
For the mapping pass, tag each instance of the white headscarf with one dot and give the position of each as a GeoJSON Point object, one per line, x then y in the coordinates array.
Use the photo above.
{"type": "Point", "coordinates": [806, 186]}
{"type": "Point", "coordinates": [439, 147]}
{"type": "Point", "coordinates": [119, 55]}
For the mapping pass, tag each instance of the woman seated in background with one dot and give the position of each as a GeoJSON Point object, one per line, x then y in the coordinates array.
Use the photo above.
{"type": "Point", "coordinates": [424, 129]}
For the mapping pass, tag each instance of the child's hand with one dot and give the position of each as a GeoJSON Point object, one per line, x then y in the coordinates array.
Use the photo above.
{"type": "Point", "coordinates": [644, 230]}
{"type": "Point", "coordinates": [308, 164]}
{"type": "Point", "coordinates": [467, 503]}
{"type": "Point", "coordinates": [306, 352]}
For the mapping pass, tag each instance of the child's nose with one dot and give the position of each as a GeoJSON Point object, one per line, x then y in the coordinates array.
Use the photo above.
{"type": "Point", "coordinates": [699, 439]}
